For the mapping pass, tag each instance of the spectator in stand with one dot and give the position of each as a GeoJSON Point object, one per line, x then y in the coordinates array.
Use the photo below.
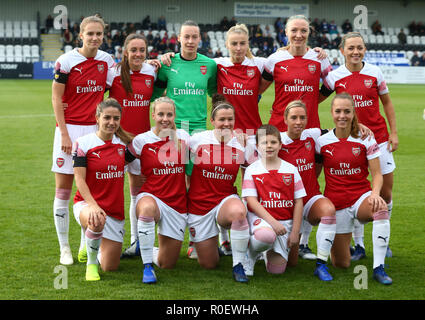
{"type": "Point", "coordinates": [415, 60]}
{"type": "Point", "coordinates": [324, 26]}
{"type": "Point", "coordinates": [267, 49]}
{"type": "Point", "coordinates": [224, 24]}
{"type": "Point", "coordinates": [210, 53]}
{"type": "Point", "coordinates": [377, 28]}
{"type": "Point", "coordinates": [278, 25]}
{"type": "Point", "coordinates": [420, 29]}
{"type": "Point", "coordinates": [233, 22]}
{"type": "Point", "coordinates": [257, 36]}
{"type": "Point", "coordinates": [335, 62]}
{"type": "Point", "coordinates": [218, 53]}
{"type": "Point", "coordinates": [402, 38]}
{"type": "Point", "coordinates": [324, 42]}
{"type": "Point", "coordinates": [281, 38]}
{"type": "Point", "coordinates": [76, 43]}
{"type": "Point", "coordinates": [156, 40]}
{"type": "Point", "coordinates": [333, 29]}
{"type": "Point", "coordinates": [49, 23]}
{"type": "Point", "coordinates": [154, 53]}
{"type": "Point", "coordinates": [75, 30]}
{"type": "Point", "coordinates": [130, 28]}
{"type": "Point", "coordinates": [173, 43]}
{"type": "Point", "coordinates": [67, 37]}
{"type": "Point", "coordinates": [413, 29]}
{"type": "Point", "coordinates": [422, 60]}
{"type": "Point", "coordinates": [117, 39]}
{"type": "Point", "coordinates": [346, 26]}
{"type": "Point", "coordinates": [206, 41]}
{"type": "Point", "coordinates": [162, 23]}
{"type": "Point", "coordinates": [149, 37]}
{"type": "Point", "coordinates": [108, 47]}
{"type": "Point", "coordinates": [118, 55]}
{"type": "Point", "coordinates": [146, 23]}
{"type": "Point", "coordinates": [335, 42]}
{"type": "Point", "coordinates": [315, 24]}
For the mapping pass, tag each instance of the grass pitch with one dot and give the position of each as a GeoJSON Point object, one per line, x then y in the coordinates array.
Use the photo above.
{"type": "Point", "coordinates": [30, 251]}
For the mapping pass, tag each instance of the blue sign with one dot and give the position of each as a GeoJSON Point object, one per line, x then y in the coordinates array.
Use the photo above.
{"type": "Point", "coordinates": [386, 59]}
{"type": "Point", "coordinates": [44, 70]}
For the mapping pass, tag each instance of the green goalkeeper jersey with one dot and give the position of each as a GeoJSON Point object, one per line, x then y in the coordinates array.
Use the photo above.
{"type": "Point", "coordinates": [188, 82]}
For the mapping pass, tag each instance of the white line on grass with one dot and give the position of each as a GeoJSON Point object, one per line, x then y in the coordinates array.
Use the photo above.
{"type": "Point", "coordinates": [19, 116]}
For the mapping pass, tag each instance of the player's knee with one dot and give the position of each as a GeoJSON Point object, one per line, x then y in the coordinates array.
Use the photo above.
{"type": "Point", "coordinates": [208, 264]}
{"type": "Point", "coordinates": [276, 268]}
{"type": "Point", "coordinates": [146, 208]}
{"type": "Point", "coordinates": [265, 235]}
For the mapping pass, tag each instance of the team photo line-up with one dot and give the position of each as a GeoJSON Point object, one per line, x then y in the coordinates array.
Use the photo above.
{"type": "Point", "coordinates": [182, 175]}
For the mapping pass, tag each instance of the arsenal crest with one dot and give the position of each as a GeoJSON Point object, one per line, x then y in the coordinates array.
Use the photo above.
{"type": "Point", "coordinates": [60, 162]}
{"type": "Point", "coordinates": [192, 231]}
{"type": "Point", "coordinates": [100, 68]}
{"type": "Point", "coordinates": [368, 83]}
{"type": "Point", "coordinates": [356, 151]}
{"type": "Point", "coordinates": [250, 72]}
{"type": "Point", "coordinates": [287, 179]}
{"type": "Point", "coordinates": [204, 70]}
{"type": "Point", "coordinates": [120, 151]}
{"type": "Point", "coordinates": [257, 222]}
{"type": "Point", "coordinates": [148, 83]}
{"type": "Point", "coordinates": [308, 145]}
{"type": "Point", "coordinates": [312, 68]}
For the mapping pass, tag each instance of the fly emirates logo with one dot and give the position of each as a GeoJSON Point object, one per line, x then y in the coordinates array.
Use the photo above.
{"type": "Point", "coordinates": [189, 89]}
{"type": "Point", "coordinates": [303, 165]}
{"type": "Point", "coordinates": [298, 86]}
{"type": "Point", "coordinates": [169, 169]}
{"type": "Point", "coordinates": [237, 90]}
{"type": "Point", "coordinates": [276, 201]}
{"type": "Point", "coordinates": [218, 173]}
{"type": "Point", "coordinates": [112, 173]}
{"type": "Point", "coordinates": [90, 87]}
{"type": "Point", "coordinates": [344, 170]}
{"type": "Point", "coordinates": [138, 101]}
{"type": "Point", "coordinates": [359, 102]}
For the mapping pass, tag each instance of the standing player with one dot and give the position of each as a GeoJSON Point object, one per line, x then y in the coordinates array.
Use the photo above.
{"type": "Point", "coordinates": [78, 86]}
{"type": "Point", "coordinates": [366, 84]}
{"type": "Point", "coordinates": [296, 71]}
{"type": "Point", "coordinates": [131, 83]}
{"type": "Point", "coordinates": [99, 175]}
{"type": "Point", "coordinates": [188, 80]}
{"type": "Point", "coordinates": [162, 198]}
{"type": "Point", "coordinates": [212, 196]}
{"type": "Point", "coordinates": [346, 159]}
{"type": "Point", "coordinates": [298, 148]}
{"type": "Point", "coordinates": [273, 190]}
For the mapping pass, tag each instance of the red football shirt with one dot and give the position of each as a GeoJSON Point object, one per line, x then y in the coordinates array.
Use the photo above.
{"type": "Point", "coordinates": [85, 84]}
{"type": "Point", "coordinates": [135, 106]}
{"type": "Point", "coordinates": [105, 172]}
{"type": "Point", "coordinates": [296, 78]}
{"type": "Point", "coordinates": [345, 163]}
{"type": "Point", "coordinates": [365, 87]}
{"type": "Point", "coordinates": [239, 84]}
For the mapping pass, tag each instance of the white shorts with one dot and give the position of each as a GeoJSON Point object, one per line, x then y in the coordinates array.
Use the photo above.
{"type": "Point", "coordinates": [205, 227]}
{"type": "Point", "coordinates": [281, 244]}
{"type": "Point", "coordinates": [134, 167]}
{"type": "Point", "coordinates": [113, 229]}
{"type": "Point", "coordinates": [345, 217]}
{"type": "Point", "coordinates": [305, 225]}
{"type": "Point", "coordinates": [386, 159]}
{"type": "Point", "coordinates": [171, 223]}
{"type": "Point", "coordinates": [62, 162]}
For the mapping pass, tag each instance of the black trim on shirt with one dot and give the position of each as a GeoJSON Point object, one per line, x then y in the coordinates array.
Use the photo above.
{"type": "Point", "coordinates": [325, 91]}
{"type": "Point", "coordinates": [129, 157]}
{"type": "Point", "coordinates": [267, 76]}
{"type": "Point", "coordinates": [79, 161]}
{"type": "Point", "coordinates": [61, 77]}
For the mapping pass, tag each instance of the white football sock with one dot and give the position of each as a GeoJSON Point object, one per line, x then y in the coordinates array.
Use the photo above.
{"type": "Point", "coordinates": [380, 239]}
{"type": "Point", "coordinates": [239, 237]}
{"type": "Point", "coordinates": [146, 230]}
{"type": "Point", "coordinates": [133, 219]}
{"type": "Point", "coordinates": [93, 240]}
{"type": "Point", "coordinates": [358, 233]}
{"type": "Point", "coordinates": [305, 235]}
{"type": "Point", "coordinates": [61, 218]}
{"type": "Point", "coordinates": [325, 237]}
